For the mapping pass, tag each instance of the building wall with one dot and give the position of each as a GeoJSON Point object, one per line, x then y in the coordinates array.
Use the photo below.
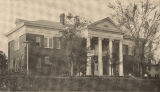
{"type": "Point", "coordinates": [16, 55]}
{"type": "Point", "coordinates": [38, 53]}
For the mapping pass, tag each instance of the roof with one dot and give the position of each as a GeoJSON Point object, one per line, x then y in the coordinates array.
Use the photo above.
{"type": "Point", "coordinates": [38, 23]}
{"type": "Point", "coordinates": [106, 25]}
{"type": "Point", "coordinates": [45, 23]}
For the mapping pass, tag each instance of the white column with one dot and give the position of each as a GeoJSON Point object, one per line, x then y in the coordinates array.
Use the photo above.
{"type": "Point", "coordinates": [100, 62]}
{"type": "Point", "coordinates": [120, 58]}
{"type": "Point", "coordinates": [110, 57]}
{"type": "Point", "coordinates": [88, 68]}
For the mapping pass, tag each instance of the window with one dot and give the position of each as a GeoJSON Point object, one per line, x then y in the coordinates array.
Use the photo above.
{"type": "Point", "coordinates": [38, 41]}
{"type": "Point", "coordinates": [48, 42]}
{"type": "Point", "coordinates": [47, 60]}
{"type": "Point", "coordinates": [17, 44]}
{"type": "Point", "coordinates": [125, 49]}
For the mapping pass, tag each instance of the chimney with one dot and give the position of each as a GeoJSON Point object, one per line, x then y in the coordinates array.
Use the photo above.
{"type": "Point", "coordinates": [62, 18]}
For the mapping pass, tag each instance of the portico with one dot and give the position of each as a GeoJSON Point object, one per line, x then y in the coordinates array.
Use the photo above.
{"type": "Point", "coordinates": [103, 48]}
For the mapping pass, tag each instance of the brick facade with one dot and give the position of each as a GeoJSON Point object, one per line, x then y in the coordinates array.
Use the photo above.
{"type": "Point", "coordinates": [17, 58]}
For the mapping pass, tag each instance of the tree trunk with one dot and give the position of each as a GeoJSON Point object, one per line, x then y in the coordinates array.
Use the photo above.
{"type": "Point", "coordinates": [71, 68]}
{"type": "Point", "coordinates": [142, 60]}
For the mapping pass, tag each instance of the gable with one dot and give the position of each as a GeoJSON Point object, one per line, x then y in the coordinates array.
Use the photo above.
{"type": "Point", "coordinates": [106, 25]}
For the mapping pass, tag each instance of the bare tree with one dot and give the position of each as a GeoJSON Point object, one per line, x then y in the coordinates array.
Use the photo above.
{"type": "Point", "coordinates": [140, 21]}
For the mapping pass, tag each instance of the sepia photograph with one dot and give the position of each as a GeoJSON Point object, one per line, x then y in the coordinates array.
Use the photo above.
{"type": "Point", "coordinates": [80, 45]}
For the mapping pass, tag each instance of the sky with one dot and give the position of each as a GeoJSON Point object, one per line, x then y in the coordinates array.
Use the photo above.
{"type": "Point", "coordinates": [10, 10]}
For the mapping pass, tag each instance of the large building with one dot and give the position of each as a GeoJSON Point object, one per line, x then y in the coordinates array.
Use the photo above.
{"type": "Point", "coordinates": [35, 47]}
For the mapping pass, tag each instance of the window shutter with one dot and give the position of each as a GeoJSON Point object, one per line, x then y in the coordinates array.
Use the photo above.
{"type": "Point", "coordinates": [62, 43]}
{"type": "Point", "coordinates": [54, 42]}
{"type": "Point", "coordinates": [50, 43]}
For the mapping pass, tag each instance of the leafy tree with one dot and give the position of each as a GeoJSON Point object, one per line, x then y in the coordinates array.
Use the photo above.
{"type": "Point", "coordinates": [140, 21]}
{"type": "Point", "coordinates": [74, 43]}
{"type": "Point", "coordinates": [3, 63]}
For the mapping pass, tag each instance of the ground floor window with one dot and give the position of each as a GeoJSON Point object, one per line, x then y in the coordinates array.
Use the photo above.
{"type": "Point", "coordinates": [47, 60]}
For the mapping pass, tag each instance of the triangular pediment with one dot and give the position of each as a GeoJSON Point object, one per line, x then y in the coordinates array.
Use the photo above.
{"type": "Point", "coordinates": [107, 25]}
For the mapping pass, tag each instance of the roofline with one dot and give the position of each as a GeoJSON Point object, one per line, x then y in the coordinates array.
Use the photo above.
{"type": "Point", "coordinates": [15, 29]}
{"type": "Point", "coordinates": [28, 23]}
{"type": "Point", "coordinates": [95, 28]}
{"type": "Point", "coordinates": [107, 18]}
{"type": "Point", "coordinates": [39, 25]}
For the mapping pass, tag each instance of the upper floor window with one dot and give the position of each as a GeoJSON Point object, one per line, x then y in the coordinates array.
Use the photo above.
{"type": "Point", "coordinates": [48, 42]}
{"type": "Point", "coordinates": [17, 44]}
{"type": "Point", "coordinates": [52, 42]}
{"type": "Point", "coordinates": [38, 41]}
